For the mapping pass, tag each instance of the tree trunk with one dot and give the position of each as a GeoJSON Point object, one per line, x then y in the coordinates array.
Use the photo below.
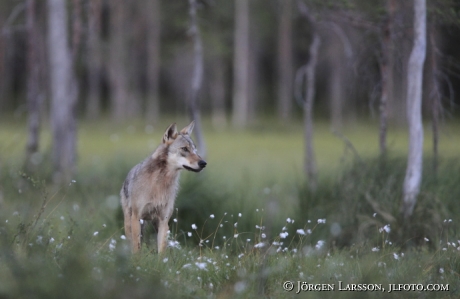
{"type": "Point", "coordinates": [414, 112]}
{"type": "Point", "coordinates": [310, 73]}
{"type": "Point", "coordinates": [34, 98]}
{"type": "Point", "coordinates": [241, 65]}
{"type": "Point", "coordinates": [117, 61]}
{"type": "Point", "coordinates": [386, 74]}
{"type": "Point", "coordinates": [63, 93]}
{"type": "Point", "coordinates": [435, 97]}
{"type": "Point", "coordinates": [93, 59]}
{"type": "Point", "coordinates": [310, 160]}
{"type": "Point", "coordinates": [336, 90]}
{"type": "Point", "coordinates": [153, 60]}
{"type": "Point", "coordinates": [197, 78]}
{"type": "Point", "coordinates": [76, 28]}
{"type": "Point", "coordinates": [285, 67]}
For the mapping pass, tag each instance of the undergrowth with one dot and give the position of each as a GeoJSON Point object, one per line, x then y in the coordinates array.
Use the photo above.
{"type": "Point", "coordinates": [68, 242]}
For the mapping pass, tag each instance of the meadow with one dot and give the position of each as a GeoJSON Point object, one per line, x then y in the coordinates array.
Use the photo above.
{"type": "Point", "coordinates": [245, 227]}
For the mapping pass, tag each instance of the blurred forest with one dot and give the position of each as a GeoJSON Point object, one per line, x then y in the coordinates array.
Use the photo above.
{"type": "Point", "coordinates": [232, 61]}
{"type": "Point", "coordinates": [135, 59]}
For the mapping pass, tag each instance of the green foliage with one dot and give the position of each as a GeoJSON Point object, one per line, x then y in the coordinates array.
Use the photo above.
{"type": "Point", "coordinates": [257, 225]}
{"type": "Point", "coordinates": [367, 196]}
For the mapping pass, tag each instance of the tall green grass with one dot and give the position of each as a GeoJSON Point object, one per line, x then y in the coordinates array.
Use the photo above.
{"type": "Point", "coordinates": [257, 223]}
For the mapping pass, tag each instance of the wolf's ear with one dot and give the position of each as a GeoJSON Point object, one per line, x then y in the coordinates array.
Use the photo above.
{"type": "Point", "coordinates": [170, 134]}
{"type": "Point", "coordinates": [188, 129]}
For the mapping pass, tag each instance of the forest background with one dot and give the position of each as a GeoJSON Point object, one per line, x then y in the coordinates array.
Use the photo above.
{"type": "Point", "coordinates": [339, 115]}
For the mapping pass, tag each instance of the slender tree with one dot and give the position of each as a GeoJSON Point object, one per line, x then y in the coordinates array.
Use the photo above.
{"type": "Point", "coordinates": [197, 77]}
{"type": "Point", "coordinates": [309, 71]}
{"type": "Point", "coordinates": [34, 97]}
{"type": "Point", "coordinates": [386, 73]}
{"type": "Point", "coordinates": [435, 96]}
{"type": "Point", "coordinates": [63, 93]}
{"type": "Point", "coordinates": [153, 17]}
{"type": "Point", "coordinates": [241, 65]}
{"type": "Point", "coordinates": [117, 61]}
{"type": "Point", "coordinates": [94, 59]}
{"type": "Point", "coordinates": [413, 176]}
{"type": "Point", "coordinates": [285, 64]}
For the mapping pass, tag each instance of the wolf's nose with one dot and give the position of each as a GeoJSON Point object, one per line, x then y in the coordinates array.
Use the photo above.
{"type": "Point", "coordinates": [202, 163]}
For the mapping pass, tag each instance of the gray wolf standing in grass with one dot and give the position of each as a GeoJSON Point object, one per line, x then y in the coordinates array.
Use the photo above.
{"type": "Point", "coordinates": [150, 189]}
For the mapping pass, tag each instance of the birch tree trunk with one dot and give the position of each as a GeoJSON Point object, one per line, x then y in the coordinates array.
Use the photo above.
{"type": "Point", "coordinates": [117, 61]}
{"type": "Point", "coordinates": [413, 176]}
{"type": "Point", "coordinates": [435, 97]}
{"type": "Point", "coordinates": [386, 73]}
{"type": "Point", "coordinates": [285, 67]}
{"type": "Point", "coordinates": [153, 60]}
{"type": "Point", "coordinates": [197, 78]}
{"type": "Point", "coordinates": [34, 98]}
{"type": "Point", "coordinates": [93, 59]}
{"type": "Point", "coordinates": [63, 93]}
{"type": "Point", "coordinates": [310, 74]}
{"type": "Point", "coordinates": [241, 65]}
{"type": "Point", "coordinates": [310, 160]}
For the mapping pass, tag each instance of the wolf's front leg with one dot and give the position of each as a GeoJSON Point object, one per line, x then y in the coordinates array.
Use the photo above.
{"type": "Point", "coordinates": [135, 233]}
{"type": "Point", "coordinates": [162, 234]}
{"type": "Point", "coordinates": [127, 214]}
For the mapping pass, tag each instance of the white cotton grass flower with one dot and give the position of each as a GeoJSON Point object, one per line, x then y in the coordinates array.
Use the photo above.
{"type": "Point", "coordinates": [259, 245]}
{"type": "Point", "coordinates": [320, 244]}
{"type": "Point", "coordinates": [263, 236]}
{"type": "Point", "coordinates": [239, 215]}
{"type": "Point", "coordinates": [194, 226]}
{"type": "Point", "coordinates": [211, 216]}
{"type": "Point", "coordinates": [173, 244]}
{"type": "Point", "coordinates": [112, 244]}
{"type": "Point", "coordinates": [201, 266]}
{"type": "Point", "coordinates": [235, 236]}
{"type": "Point", "coordinates": [123, 237]}
{"type": "Point", "coordinates": [95, 233]}
{"type": "Point", "coordinates": [301, 231]}
{"type": "Point", "coordinates": [396, 256]}
{"type": "Point", "coordinates": [283, 235]}
{"type": "Point", "coordinates": [321, 221]}
{"type": "Point", "coordinates": [386, 229]}
{"type": "Point", "coordinates": [189, 234]}
{"type": "Point", "coordinates": [288, 220]}
{"type": "Point", "coordinates": [375, 249]}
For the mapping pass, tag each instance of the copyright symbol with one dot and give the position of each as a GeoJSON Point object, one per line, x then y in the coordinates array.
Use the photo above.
{"type": "Point", "coordinates": [288, 286]}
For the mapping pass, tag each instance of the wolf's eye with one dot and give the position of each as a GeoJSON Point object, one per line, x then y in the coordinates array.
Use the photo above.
{"type": "Point", "coordinates": [185, 149]}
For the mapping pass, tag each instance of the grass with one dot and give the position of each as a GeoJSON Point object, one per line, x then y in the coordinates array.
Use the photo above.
{"type": "Point", "coordinates": [257, 225]}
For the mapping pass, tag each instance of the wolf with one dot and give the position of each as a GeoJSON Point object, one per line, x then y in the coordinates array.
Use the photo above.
{"type": "Point", "coordinates": [150, 188]}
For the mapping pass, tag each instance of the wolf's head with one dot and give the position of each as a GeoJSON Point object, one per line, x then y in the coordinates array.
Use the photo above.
{"type": "Point", "coordinates": [182, 152]}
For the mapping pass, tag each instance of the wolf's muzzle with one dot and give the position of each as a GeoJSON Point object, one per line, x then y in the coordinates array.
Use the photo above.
{"type": "Point", "coordinates": [202, 164]}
